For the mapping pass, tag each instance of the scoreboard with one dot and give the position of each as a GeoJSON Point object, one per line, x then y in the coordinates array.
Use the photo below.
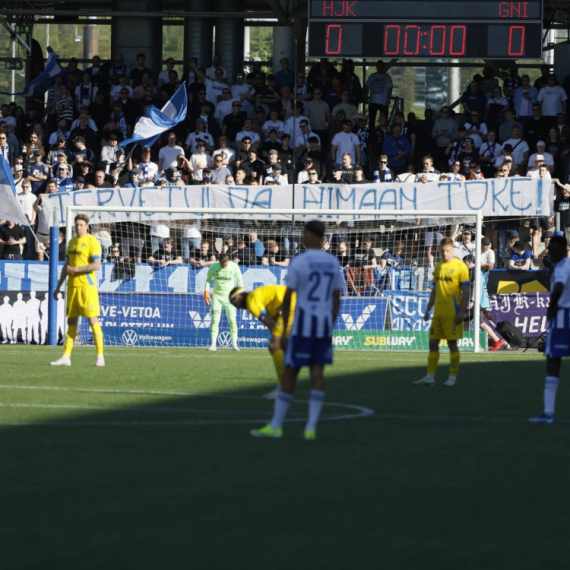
{"type": "Point", "coordinates": [477, 29]}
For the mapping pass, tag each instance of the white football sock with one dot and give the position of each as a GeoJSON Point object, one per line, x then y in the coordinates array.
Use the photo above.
{"type": "Point", "coordinates": [280, 409]}
{"type": "Point", "coordinates": [316, 399]}
{"type": "Point", "coordinates": [550, 387]}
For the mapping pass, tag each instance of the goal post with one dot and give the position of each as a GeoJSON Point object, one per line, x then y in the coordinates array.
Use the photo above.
{"type": "Point", "coordinates": [147, 303]}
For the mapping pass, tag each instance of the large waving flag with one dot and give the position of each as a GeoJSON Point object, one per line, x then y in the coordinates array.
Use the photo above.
{"type": "Point", "coordinates": [10, 208]}
{"type": "Point", "coordinates": [149, 128]}
{"type": "Point", "coordinates": [38, 86]}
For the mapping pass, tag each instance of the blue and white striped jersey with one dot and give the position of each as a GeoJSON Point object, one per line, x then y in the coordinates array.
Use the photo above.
{"type": "Point", "coordinates": [561, 274]}
{"type": "Point", "coordinates": [314, 275]}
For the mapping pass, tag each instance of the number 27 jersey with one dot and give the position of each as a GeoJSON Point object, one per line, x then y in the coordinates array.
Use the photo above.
{"type": "Point", "coordinates": [314, 275]}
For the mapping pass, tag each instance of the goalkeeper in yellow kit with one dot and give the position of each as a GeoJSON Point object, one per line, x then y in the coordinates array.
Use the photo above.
{"type": "Point", "coordinates": [449, 297]}
{"type": "Point", "coordinates": [265, 303]}
{"type": "Point", "coordinates": [82, 259]}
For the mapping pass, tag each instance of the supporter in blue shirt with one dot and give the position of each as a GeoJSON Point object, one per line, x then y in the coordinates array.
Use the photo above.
{"type": "Point", "coordinates": [393, 259]}
{"type": "Point", "coordinates": [397, 148]}
{"type": "Point", "coordinates": [38, 172]}
{"type": "Point", "coordinates": [133, 179]}
{"type": "Point", "coordinates": [474, 100]}
{"type": "Point", "coordinates": [520, 258]}
{"type": "Point", "coordinates": [64, 183]}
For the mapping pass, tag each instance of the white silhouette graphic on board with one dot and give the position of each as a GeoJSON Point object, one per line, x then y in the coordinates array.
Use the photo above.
{"type": "Point", "coordinates": [33, 318]}
{"type": "Point", "coordinates": [6, 317]}
{"type": "Point", "coordinates": [60, 316]}
{"type": "Point", "coordinates": [44, 318]}
{"type": "Point", "coordinates": [19, 322]}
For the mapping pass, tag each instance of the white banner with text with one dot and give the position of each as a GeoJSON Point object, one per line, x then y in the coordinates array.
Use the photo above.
{"type": "Point", "coordinates": [511, 197]}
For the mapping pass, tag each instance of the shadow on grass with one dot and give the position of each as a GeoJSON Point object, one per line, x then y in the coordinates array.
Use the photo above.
{"type": "Point", "coordinates": [174, 480]}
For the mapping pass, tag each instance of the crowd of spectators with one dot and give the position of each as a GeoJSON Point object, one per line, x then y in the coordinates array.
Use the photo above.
{"type": "Point", "coordinates": [304, 126]}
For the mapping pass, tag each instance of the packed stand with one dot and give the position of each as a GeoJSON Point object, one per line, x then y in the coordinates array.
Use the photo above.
{"type": "Point", "coordinates": [291, 126]}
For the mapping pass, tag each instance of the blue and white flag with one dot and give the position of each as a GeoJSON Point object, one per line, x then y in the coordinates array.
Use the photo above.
{"type": "Point", "coordinates": [10, 208]}
{"type": "Point", "coordinates": [149, 128]}
{"type": "Point", "coordinates": [38, 86]}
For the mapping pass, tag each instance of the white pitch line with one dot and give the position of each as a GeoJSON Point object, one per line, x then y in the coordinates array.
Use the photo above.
{"type": "Point", "coordinates": [359, 411]}
{"type": "Point", "coordinates": [365, 411]}
{"type": "Point", "coordinates": [127, 408]}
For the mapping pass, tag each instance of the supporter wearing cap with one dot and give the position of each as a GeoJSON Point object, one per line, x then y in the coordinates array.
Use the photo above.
{"type": "Point", "coordinates": [61, 158]}
{"type": "Point", "coordinates": [18, 176]}
{"type": "Point", "coordinates": [199, 161]}
{"type": "Point", "coordinates": [81, 152]}
{"type": "Point", "coordinates": [520, 257]}
{"type": "Point", "coordinates": [540, 157]}
{"type": "Point", "coordinates": [109, 151]}
{"type": "Point", "coordinates": [336, 175]}
{"type": "Point", "coordinates": [287, 156]}
{"type": "Point", "coordinates": [79, 182]}
{"type": "Point", "coordinates": [64, 182]}
{"type": "Point", "coordinates": [148, 169]}
{"type": "Point", "coordinates": [303, 176]}
{"type": "Point", "coordinates": [358, 175]}
{"type": "Point", "coordinates": [37, 172]}
{"type": "Point", "coordinates": [487, 255]}
{"type": "Point", "coordinates": [173, 176]}
{"type": "Point", "coordinates": [272, 158]}
{"type": "Point", "coordinates": [276, 176]}
{"type": "Point", "coordinates": [134, 179]}
{"type": "Point", "coordinates": [85, 170]}
{"type": "Point", "coordinates": [465, 246]}
{"type": "Point", "coordinates": [254, 166]}
{"type": "Point", "coordinates": [206, 176]}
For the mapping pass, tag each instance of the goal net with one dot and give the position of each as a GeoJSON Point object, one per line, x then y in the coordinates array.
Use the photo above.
{"type": "Point", "coordinates": [155, 264]}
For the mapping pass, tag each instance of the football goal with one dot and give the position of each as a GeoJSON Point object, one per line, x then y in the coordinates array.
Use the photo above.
{"type": "Point", "coordinates": [155, 263]}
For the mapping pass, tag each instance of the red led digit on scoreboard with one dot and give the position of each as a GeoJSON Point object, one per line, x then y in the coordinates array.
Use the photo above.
{"type": "Point", "coordinates": [334, 39]}
{"type": "Point", "coordinates": [435, 30]}
{"type": "Point", "coordinates": [409, 41]}
{"type": "Point", "coordinates": [391, 40]}
{"type": "Point", "coordinates": [457, 40]}
{"type": "Point", "coordinates": [516, 40]}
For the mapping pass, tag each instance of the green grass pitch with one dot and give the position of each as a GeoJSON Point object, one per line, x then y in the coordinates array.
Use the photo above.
{"type": "Point", "coordinates": [148, 464]}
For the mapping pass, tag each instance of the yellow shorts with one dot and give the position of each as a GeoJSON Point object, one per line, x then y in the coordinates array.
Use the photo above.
{"type": "Point", "coordinates": [278, 328]}
{"type": "Point", "coordinates": [82, 302]}
{"type": "Point", "coordinates": [445, 327]}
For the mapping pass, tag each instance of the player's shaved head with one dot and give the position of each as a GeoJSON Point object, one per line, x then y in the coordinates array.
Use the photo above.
{"type": "Point", "coordinates": [224, 259]}
{"type": "Point", "coordinates": [314, 232]}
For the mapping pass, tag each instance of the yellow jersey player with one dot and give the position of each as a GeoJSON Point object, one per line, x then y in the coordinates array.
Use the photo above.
{"type": "Point", "coordinates": [449, 298]}
{"type": "Point", "coordinates": [265, 304]}
{"type": "Point", "coordinates": [82, 259]}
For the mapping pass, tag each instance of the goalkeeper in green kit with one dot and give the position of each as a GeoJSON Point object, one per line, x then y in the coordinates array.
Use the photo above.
{"type": "Point", "coordinates": [226, 275]}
